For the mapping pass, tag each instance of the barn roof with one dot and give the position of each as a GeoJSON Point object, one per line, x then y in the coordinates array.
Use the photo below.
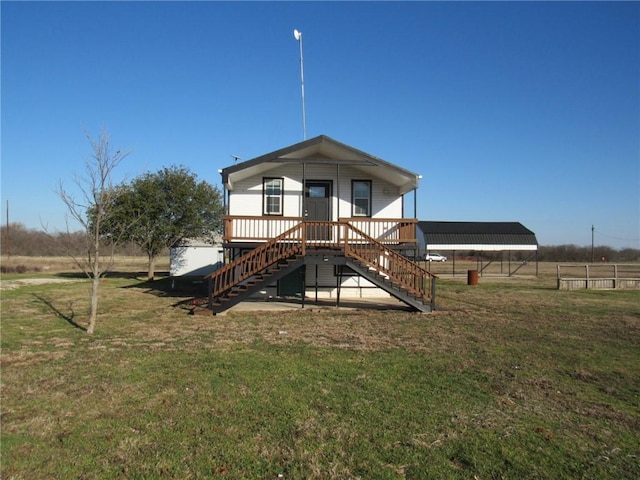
{"type": "Point", "coordinates": [484, 236]}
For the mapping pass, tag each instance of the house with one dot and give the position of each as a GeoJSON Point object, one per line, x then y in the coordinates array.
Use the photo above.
{"type": "Point", "coordinates": [318, 219]}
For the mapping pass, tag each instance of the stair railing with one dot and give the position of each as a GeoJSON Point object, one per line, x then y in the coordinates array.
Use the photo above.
{"type": "Point", "coordinates": [291, 242]}
{"type": "Point", "coordinates": [378, 257]}
{"type": "Point", "coordinates": [354, 242]}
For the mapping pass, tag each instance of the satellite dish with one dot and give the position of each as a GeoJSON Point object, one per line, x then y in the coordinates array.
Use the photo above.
{"type": "Point", "coordinates": [297, 34]}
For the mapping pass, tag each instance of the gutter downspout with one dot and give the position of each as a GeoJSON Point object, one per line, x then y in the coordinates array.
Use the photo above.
{"type": "Point", "coordinates": [338, 191]}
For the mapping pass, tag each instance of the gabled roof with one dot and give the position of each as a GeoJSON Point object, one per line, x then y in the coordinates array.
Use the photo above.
{"type": "Point", "coordinates": [323, 150]}
{"type": "Point", "coordinates": [485, 236]}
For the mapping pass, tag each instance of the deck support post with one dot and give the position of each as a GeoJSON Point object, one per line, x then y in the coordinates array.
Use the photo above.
{"type": "Point", "coordinates": [304, 284]}
{"type": "Point", "coordinates": [316, 282]}
{"type": "Point", "coordinates": [338, 286]}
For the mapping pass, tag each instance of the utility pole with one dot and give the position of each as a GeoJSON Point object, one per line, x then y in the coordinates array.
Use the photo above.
{"type": "Point", "coordinates": [7, 234]}
{"type": "Point", "coordinates": [592, 241]}
{"type": "Point", "coordinates": [8, 237]}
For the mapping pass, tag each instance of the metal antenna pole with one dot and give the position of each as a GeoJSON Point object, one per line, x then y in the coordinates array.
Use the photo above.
{"type": "Point", "coordinates": [298, 36]}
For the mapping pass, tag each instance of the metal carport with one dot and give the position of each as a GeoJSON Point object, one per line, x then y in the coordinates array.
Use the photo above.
{"type": "Point", "coordinates": [477, 237]}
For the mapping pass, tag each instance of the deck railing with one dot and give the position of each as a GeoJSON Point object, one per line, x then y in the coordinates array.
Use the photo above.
{"type": "Point", "coordinates": [415, 279]}
{"type": "Point", "coordinates": [262, 229]}
{"type": "Point", "coordinates": [341, 235]}
{"type": "Point", "coordinates": [283, 246]}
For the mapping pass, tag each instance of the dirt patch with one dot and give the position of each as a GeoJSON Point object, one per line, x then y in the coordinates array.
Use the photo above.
{"type": "Point", "coordinates": [13, 284]}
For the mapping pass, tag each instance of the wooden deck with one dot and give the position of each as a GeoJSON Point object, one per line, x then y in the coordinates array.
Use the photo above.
{"type": "Point", "coordinates": [390, 231]}
{"type": "Point", "coordinates": [371, 256]}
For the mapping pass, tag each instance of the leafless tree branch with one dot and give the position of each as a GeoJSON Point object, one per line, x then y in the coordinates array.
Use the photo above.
{"type": "Point", "coordinates": [90, 207]}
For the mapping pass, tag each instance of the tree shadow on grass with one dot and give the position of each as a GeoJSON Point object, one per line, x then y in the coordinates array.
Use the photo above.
{"type": "Point", "coordinates": [67, 318]}
{"type": "Point", "coordinates": [111, 274]}
{"type": "Point", "coordinates": [189, 292]}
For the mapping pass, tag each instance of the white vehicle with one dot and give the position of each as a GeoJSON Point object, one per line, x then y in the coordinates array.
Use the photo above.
{"type": "Point", "coordinates": [435, 257]}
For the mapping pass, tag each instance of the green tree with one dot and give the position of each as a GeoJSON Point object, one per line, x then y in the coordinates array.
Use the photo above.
{"type": "Point", "coordinates": [165, 207]}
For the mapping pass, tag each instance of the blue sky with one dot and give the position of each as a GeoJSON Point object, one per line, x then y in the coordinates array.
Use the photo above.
{"type": "Point", "coordinates": [511, 111]}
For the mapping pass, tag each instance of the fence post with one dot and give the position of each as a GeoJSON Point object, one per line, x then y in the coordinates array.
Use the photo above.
{"type": "Point", "coordinates": [586, 267]}
{"type": "Point", "coordinates": [433, 292]}
{"type": "Point", "coordinates": [615, 276]}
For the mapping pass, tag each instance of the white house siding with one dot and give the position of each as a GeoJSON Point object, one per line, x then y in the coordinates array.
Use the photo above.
{"type": "Point", "coordinates": [195, 260]}
{"type": "Point", "coordinates": [246, 197]}
{"type": "Point", "coordinates": [386, 201]}
{"type": "Point", "coordinates": [351, 286]}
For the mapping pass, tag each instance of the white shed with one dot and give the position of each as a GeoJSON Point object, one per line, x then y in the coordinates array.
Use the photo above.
{"type": "Point", "coordinates": [196, 258]}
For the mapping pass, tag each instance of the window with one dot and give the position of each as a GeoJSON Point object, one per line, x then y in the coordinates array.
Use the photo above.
{"type": "Point", "coordinates": [272, 192]}
{"type": "Point", "coordinates": [361, 198]}
{"type": "Point", "coordinates": [317, 191]}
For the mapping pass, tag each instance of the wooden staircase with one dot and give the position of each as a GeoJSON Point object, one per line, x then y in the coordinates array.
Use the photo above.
{"type": "Point", "coordinates": [397, 290]}
{"type": "Point", "coordinates": [385, 268]}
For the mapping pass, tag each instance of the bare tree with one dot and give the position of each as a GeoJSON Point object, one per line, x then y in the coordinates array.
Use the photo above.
{"type": "Point", "coordinates": [90, 208]}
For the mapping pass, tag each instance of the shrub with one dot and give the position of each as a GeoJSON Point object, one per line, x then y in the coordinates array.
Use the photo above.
{"type": "Point", "coordinates": [18, 269]}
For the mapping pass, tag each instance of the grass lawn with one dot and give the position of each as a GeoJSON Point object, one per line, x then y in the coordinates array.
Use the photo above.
{"type": "Point", "coordinates": [510, 379]}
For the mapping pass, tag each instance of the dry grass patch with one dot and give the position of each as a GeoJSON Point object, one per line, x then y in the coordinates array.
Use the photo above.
{"type": "Point", "coordinates": [508, 380]}
{"type": "Point", "coordinates": [53, 265]}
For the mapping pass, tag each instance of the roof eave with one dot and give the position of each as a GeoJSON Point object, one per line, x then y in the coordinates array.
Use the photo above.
{"type": "Point", "coordinates": [407, 181]}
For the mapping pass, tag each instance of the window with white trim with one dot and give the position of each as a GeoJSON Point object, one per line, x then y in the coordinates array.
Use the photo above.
{"type": "Point", "coordinates": [272, 189]}
{"type": "Point", "coordinates": [361, 198]}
